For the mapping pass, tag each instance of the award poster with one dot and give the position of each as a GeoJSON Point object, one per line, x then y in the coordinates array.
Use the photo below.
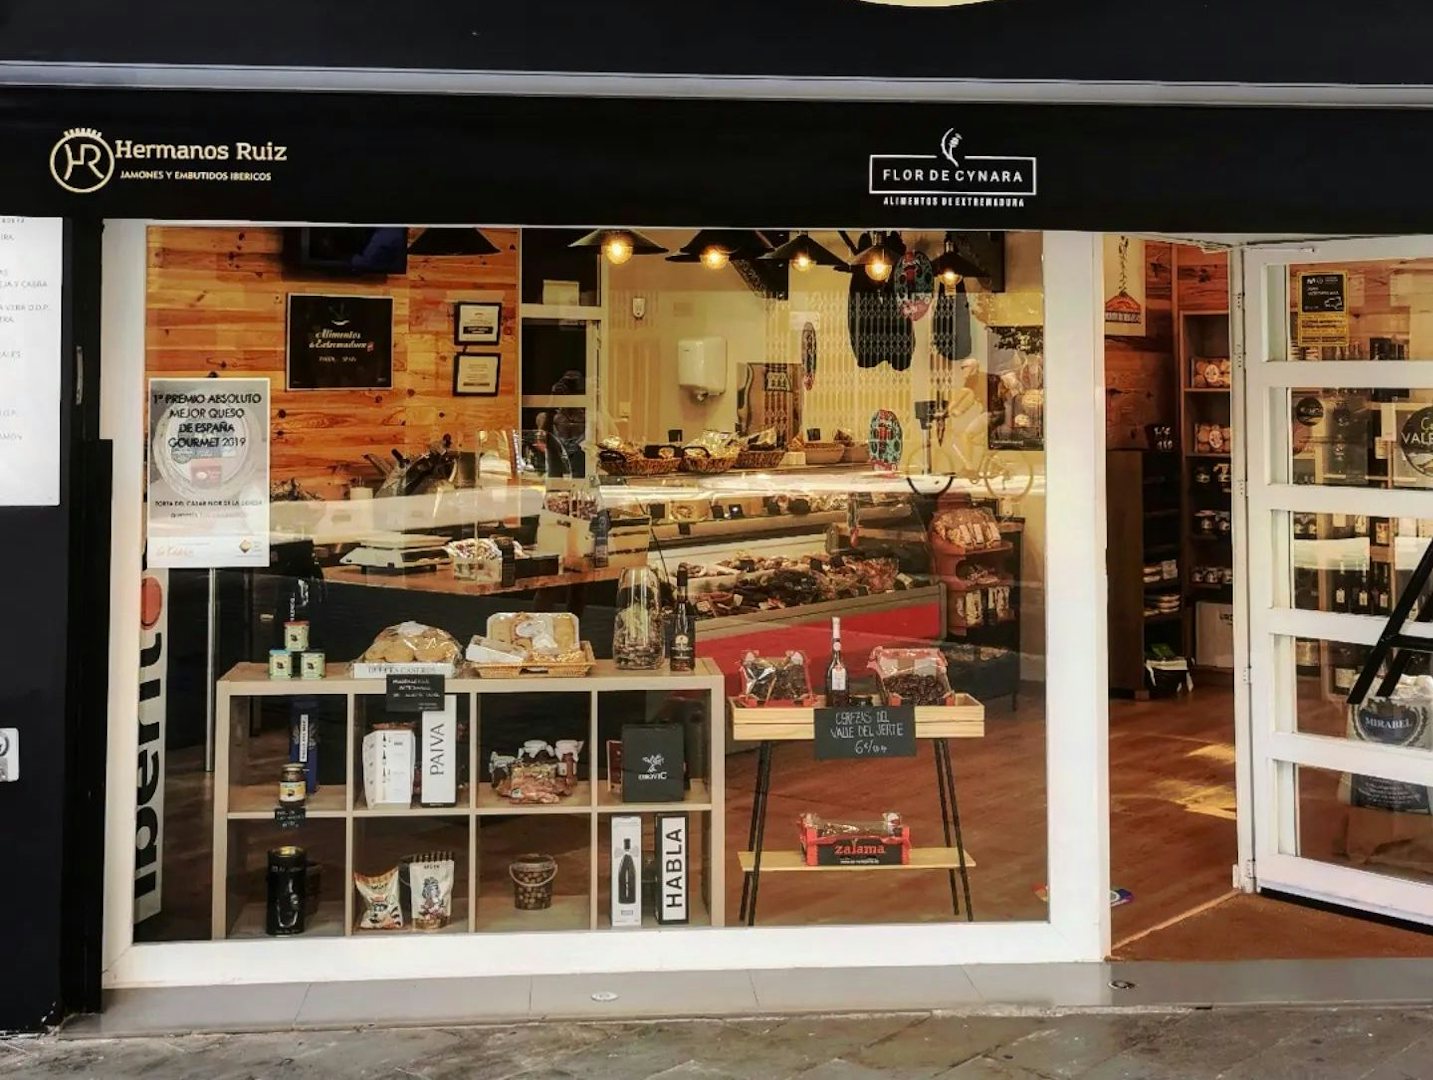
{"type": "Point", "coordinates": [208, 497]}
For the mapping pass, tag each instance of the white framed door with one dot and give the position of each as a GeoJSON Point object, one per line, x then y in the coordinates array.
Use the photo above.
{"type": "Point", "coordinates": [1337, 517]}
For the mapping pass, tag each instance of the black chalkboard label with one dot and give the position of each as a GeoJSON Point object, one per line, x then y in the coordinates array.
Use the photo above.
{"type": "Point", "coordinates": [1321, 292]}
{"type": "Point", "coordinates": [718, 512]}
{"type": "Point", "coordinates": [415, 693]}
{"type": "Point", "coordinates": [340, 341]}
{"type": "Point", "coordinates": [735, 511]}
{"type": "Point", "coordinates": [874, 731]}
{"type": "Point", "coordinates": [288, 816]}
{"type": "Point", "coordinates": [684, 528]}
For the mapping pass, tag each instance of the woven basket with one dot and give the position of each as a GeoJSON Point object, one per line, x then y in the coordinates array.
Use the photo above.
{"type": "Point", "coordinates": [639, 466]}
{"type": "Point", "coordinates": [708, 464]}
{"type": "Point", "coordinates": [824, 453]}
{"type": "Point", "coordinates": [573, 669]}
{"type": "Point", "coordinates": [858, 454]}
{"type": "Point", "coordinates": [532, 878]}
{"type": "Point", "coordinates": [759, 459]}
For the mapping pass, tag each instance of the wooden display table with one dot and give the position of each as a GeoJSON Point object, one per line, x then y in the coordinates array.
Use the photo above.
{"type": "Point", "coordinates": [938, 723]}
{"type": "Point", "coordinates": [246, 793]}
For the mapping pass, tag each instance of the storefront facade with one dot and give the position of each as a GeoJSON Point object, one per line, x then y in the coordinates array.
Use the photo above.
{"type": "Point", "coordinates": [173, 199]}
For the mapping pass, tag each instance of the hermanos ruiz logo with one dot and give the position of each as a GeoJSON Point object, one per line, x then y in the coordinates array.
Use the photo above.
{"type": "Point", "coordinates": [83, 161]}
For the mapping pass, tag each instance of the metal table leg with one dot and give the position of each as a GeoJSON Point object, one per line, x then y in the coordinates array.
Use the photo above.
{"type": "Point", "coordinates": [754, 835]}
{"type": "Point", "coordinates": [944, 814]}
{"type": "Point", "coordinates": [943, 752]}
{"type": "Point", "coordinates": [764, 784]}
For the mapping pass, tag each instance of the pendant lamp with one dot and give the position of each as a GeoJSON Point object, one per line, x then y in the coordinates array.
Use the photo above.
{"type": "Point", "coordinates": [619, 245]}
{"type": "Point", "coordinates": [448, 241]}
{"type": "Point", "coordinates": [802, 253]}
{"type": "Point", "coordinates": [714, 248]}
{"type": "Point", "coordinates": [878, 258]}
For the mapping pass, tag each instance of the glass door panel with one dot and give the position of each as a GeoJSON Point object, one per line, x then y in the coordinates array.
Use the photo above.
{"type": "Point", "coordinates": [1339, 419]}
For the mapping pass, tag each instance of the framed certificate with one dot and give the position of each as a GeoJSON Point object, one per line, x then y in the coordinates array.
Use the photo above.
{"type": "Point", "coordinates": [476, 374]}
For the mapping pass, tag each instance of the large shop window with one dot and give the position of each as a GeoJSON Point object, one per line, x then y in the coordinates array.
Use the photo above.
{"type": "Point", "coordinates": [537, 579]}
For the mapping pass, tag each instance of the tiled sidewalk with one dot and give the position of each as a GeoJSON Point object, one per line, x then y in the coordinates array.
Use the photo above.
{"type": "Point", "coordinates": [1258, 1044]}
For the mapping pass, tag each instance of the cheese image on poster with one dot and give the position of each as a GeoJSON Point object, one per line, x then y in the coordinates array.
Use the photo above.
{"type": "Point", "coordinates": [208, 497]}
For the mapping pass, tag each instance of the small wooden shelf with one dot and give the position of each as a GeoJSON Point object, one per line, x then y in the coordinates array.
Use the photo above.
{"type": "Point", "coordinates": [498, 915]}
{"type": "Point", "coordinates": [1164, 616]}
{"type": "Point", "coordinates": [327, 922]}
{"type": "Point", "coordinates": [256, 802]}
{"type": "Point", "coordinates": [964, 720]}
{"type": "Point", "coordinates": [698, 799]}
{"type": "Point", "coordinates": [780, 862]}
{"type": "Point", "coordinates": [1208, 456]}
{"type": "Point", "coordinates": [491, 803]}
{"type": "Point", "coordinates": [414, 809]}
{"type": "Point", "coordinates": [1207, 389]}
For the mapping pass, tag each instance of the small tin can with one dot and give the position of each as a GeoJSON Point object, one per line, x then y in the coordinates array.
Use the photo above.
{"type": "Point", "coordinates": [281, 664]}
{"type": "Point", "coordinates": [296, 636]}
{"type": "Point", "coordinates": [312, 664]}
{"type": "Point", "coordinates": [293, 785]}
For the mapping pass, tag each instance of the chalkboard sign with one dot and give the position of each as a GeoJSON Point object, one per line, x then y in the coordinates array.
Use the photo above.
{"type": "Point", "coordinates": [415, 693]}
{"type": "Point", "coordinates": [871, 731]}
{"type": "Point", "coordinates": [1322, 292]}
{"type": "Point", "coordinates": [290, 817]}
{"type": "Point", "coordinates": [342, 342]}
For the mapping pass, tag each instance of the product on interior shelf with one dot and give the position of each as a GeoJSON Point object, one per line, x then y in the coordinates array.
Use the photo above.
{"type": "Point", "coordinates": [388, 767]}
{"type": "Point", "coordinates": [915, 676]}
{"type": "Point", "coordinates": [409, 643]}
{"type": "Point", "coordinates": [838, 684]}
{"type": "Point", "coordinates": [313, 664]}
{"type": "Point", "coordinates": [673, 853]}
{"type": "Point", "coordinates": [637, 637]}
{"type": "Point", "coordinates": [713, 452]}
{"type": "Point", "coordinates": [654, 764]}
{"type": "Point", "coordinates": [970, 527]}
{"type": "Point", "coordinates": [626, 883]}
{"type": "Point", "coordinates": [286, 898]}
{"type": "Point", "coordinates": [438, 750]}
{"type": "Point", "coordinates": [1404, 718]}
{"type": "Point", "coordinates": [382, 905]}
{"type": "Point", "coordinates": [618, 457]}
{"type": "Point", "coordinates": [303, 739]}
{"type": "Point", "coordinates": [1207, 371]}
{"type": "Point", "coordinates": [533, 876]}
{"type": "Point", "coordinates": [547, 634]}
{"type": "Point", "coordinates": [827, 842]}
{"type": "Point", "coordinates": [539, 773]}
{"type": "Point", "coordinates": [780, 680]}
{"type": "Point", "coordinates": [281, 664]}
{"type": "Point", "coordinates": [430, 886]}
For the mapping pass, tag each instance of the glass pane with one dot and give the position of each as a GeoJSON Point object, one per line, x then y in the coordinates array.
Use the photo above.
{"type": "Point", "coordinates": [1380, 438]}
{"type": "Point", "coordinates": [1325, 672]}
{"type": "Point", "coordinates": [1361, 311]}
{"type": "Point", "coordinates": [1353, 563]}
{"type": "Point", "coordinates": [1365, 822]}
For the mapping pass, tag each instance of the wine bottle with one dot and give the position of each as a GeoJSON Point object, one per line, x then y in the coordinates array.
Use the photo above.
{"type": "Point", "coordinates": [601, 528]}
{"type": "Point", "coordinates": [627, 876]}
{"type": "Point", "coordinates": [684, 628]}
{"type": "Point", "coordinates": [838, 693]}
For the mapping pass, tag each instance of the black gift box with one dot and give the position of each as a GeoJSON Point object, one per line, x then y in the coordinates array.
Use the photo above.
{"type": "Point", "coordinates": [653, 763]}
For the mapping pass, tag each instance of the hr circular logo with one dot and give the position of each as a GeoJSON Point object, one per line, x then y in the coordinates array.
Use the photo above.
{"type": "Point", "coordinates": [82, 161]}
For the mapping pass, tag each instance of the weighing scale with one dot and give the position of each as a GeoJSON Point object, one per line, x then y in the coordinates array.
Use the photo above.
{"type": "Point", "coordinates": [398, 553]}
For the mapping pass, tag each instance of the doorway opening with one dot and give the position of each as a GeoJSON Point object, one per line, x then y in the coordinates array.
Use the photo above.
{"type": "Point", "coordinates": [1175, 428]}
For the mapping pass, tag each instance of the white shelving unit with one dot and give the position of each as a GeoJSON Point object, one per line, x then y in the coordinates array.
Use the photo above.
{"type": "Point", "coordinates": [240, 797]}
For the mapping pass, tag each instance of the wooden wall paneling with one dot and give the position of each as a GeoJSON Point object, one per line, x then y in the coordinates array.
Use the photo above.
{"type": "Point", "coordinates": [1202, 279]}
{"type": "Point", "coordinates": [1141, 387]}
{"type": "Point", "coordinates": [217, 304]}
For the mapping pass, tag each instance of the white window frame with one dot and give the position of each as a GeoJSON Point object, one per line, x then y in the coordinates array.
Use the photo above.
{"type": "Point", "coordinates": [1076, 730]}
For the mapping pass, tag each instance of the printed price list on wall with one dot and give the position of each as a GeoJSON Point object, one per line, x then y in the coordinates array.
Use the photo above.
{"type": "Point", "coordinates": [31, 266]}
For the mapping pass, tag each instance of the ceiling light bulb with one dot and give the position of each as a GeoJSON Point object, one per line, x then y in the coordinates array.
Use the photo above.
{"type": "Point", "coordinates": [878, 269]}
{"type": "Point", "coordinates": [949, 277]}
{"type": "Point", "coordinates": [618, 249]}
{"type": "Point", "coordinates": [714, 258]}
{"type": "Point", "coordinates": [802, 261]}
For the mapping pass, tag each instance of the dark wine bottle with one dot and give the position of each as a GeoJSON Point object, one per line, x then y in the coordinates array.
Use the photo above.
{"type": "Point", "coordinates": [627, 876]}
{"type": "Point", "coordinates": [684, 628]}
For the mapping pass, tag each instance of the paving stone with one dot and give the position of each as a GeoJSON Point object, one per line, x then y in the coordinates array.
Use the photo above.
{"type": "Point", "coordinates": [1076, 1044]}
{"type": "Point", "coordinates": [939, 1043]}
{"type": "Point", "coordinates": [1341, 1045]}
{"type": "Point", "coordinates": [1203, 1045]}
{"type": "Point", "coordinates": [987, 1068]}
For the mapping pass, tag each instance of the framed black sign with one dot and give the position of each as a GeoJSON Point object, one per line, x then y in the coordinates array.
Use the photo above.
{"type": "Point", "coordinates": [869, 731]}
{"type": "Point", "coordinates": [340, 342]}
